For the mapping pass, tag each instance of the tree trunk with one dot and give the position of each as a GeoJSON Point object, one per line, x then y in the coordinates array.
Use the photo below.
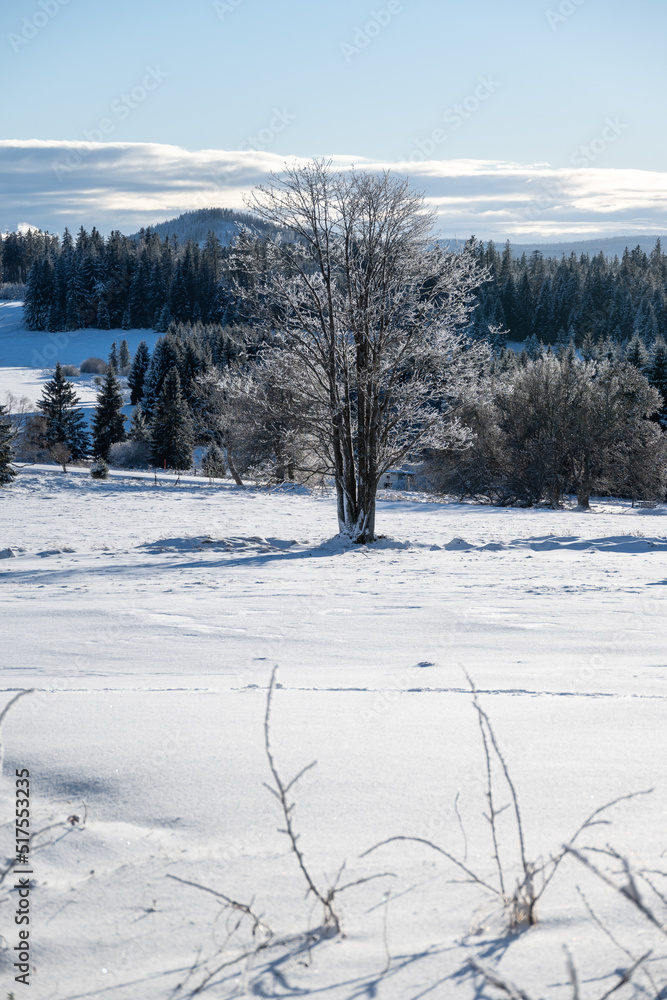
{"type": "Point", "coordinates": [232, 468]}
{"type": "Point", "coordinates": [584, 484]}
{"type": "Point", "coordinates": [356, 520]}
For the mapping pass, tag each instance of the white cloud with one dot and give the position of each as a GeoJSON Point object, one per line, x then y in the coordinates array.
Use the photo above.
{"type": "Point", "coordinates": [128, 185]}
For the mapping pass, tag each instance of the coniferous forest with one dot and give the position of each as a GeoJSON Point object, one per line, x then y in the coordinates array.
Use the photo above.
{"type": "Point", "coordinates": [148, 281]}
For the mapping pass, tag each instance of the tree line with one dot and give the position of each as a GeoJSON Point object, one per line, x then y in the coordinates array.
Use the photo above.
{"type": "Point", "coordinates": [147, 281]}
{"type": "Point", "coordinates": [580, 298]}
{"type": "Point", "coordinates": [126, 283]}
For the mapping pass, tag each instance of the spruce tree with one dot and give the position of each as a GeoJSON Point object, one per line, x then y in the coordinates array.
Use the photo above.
{"type": "Point", "coordinates": [124, 357]}
{"type": "Point", "coordinates": [656, 373]}
{"type": "Point", "coordinates": [167, 354]}
{"type": "Point", "coordinates": [113, 357]}
{"type": "Point", "coordinates": [138, 373]}
{"type": "Point", "coordinates": [172, 435]}
{"type": "Point", "coordinates": [55, 318]}
{"type": "Point", "coordinates": [65, 422]}
{"type": "Point", "coordinates": [636, 354]}
{"type": "Point", "coordinates": [533, 347]}
{"type": "Point", "coordinates": [39, 294]}
{"type": "Point", "coordinates": [180, 305]}
{"type": "Point", "coordinates": [214, 465]}
{"type": "Point", "coordinates": [163, 320]}
{"type": "Point", "coordinates": [139, 428]}
{"type": "Point", "coordinates": [139, 296]}
{"type": "Point", "coordinates": [588, 347]}
{"type": "Point", "coordinates": [108, 420]}
{"type": "Point", "coordinates": [7, 471]}
{"type": "Point", "coordinates": [103, 321]}
{"type": "Point", "coordinates": [561, 344]}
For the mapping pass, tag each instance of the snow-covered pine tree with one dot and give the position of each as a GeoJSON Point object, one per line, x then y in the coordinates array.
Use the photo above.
{"type": "Point", "coordinates": [163, 320]}
{"type": "Point", "coordinates": [139, 295]}
{"type": "Point", "coordinates": [560, 345]}
{"type": "Point", "coordinates": [103, 321]}
{"type": "Point", "coordinates": [180, 304]}
{"type": "Point", "coordinates": [124, 357]}
{"type": "Point", "coordinates": [138, 371]}
{"type": "Point", "coordinates": [214, 465]}
{"type": "Point", "coordinates": [156, 293]}
{"type": "Point", "coordinates": [113, 357]}
{"type": "Point", "coordinates": [139, 427]}
{"type": "Point", "coordinates": [172, 434]}
{"type": "Point", "coordinates": [656, 373]}
{"type": "Point", "coordinates": [39, 294]}
{"type": "Point", "coordinates": [533, 347]}
{"type": "Point", "coordinates": [588, 348]}
{"type": "Point", "coordinates": [99, 469]}
{"type": "Point", "coordinates": [636, 354]}
{"type": "Point", "coordinates": [7, 471]}
{"type": "Point", "coordinates": [166, 355]}
{"type": "Point", "coordinates": [108, 421]}
{"type": "Point", "coordinates": [65, 422]}
{"type": "Point", "coordinates": [643, 323]}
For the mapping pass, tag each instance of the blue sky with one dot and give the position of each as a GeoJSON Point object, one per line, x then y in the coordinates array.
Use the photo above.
{"type": "Point", "coordinates": [560, 83]}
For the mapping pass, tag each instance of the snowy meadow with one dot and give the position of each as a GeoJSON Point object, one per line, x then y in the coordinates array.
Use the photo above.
{"type": "Point", "coordinates": [308, 737]}
{"type": "Point", "coordinates": [148, 620]}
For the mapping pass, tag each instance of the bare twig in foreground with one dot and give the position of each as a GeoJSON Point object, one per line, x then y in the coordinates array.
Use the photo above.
{"type": "Point", "coordinates": [495, 979]}
{"type": "Point", "coordinates": [281, 793]}
{"type": "Point", "coordinates": [4, 712]}
{"type": "Point", "coordinates": [629, 891]}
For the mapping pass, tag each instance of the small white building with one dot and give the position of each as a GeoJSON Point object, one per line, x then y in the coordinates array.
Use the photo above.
{"type": "Point", "coordinates": [397, 479]}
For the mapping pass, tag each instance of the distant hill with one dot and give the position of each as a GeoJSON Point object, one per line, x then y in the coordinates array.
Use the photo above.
{"type": "Point", "coordinates": [611, 246]}
{"type": "Point", "coordinates": [196, 225]}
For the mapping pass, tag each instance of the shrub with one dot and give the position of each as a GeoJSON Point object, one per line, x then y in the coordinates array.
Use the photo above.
{"type": "Point", "coordinates": [61, 454]}
{"type": "Point", "coordinates": [71, 371]}
{"type": "Point", "coordinates": [130, 454]}
{"type": "Point", "coordinates": [31, 443]}
{"type": "Point", "coordinates": [99, 469]}
{"type": "Point", "coordinates": [94, 366]}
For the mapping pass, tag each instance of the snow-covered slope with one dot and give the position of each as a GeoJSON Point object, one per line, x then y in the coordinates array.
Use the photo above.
{"type": "Point", "coordinates": [149, 619]}
{"type": "Point", "coordinates": [196, 225]}
{"type": "Point", "coordinates": [28, 357]}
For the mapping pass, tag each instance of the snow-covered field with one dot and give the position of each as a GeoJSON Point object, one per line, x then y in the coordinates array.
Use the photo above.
{"type": "Point", "coordinates": [28, 357]}
{"type": "Point", "coordinates": [148, 619]}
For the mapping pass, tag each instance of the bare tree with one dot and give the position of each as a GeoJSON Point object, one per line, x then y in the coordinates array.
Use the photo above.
{"type": "Point", "coordinates": [255, 418]}
{"type": "Point", "coordinates": [19, 408]}
{"type": "Point", "coordinates": [370, 311]}
{"type": "Point", "coordinates": [61, 454]}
